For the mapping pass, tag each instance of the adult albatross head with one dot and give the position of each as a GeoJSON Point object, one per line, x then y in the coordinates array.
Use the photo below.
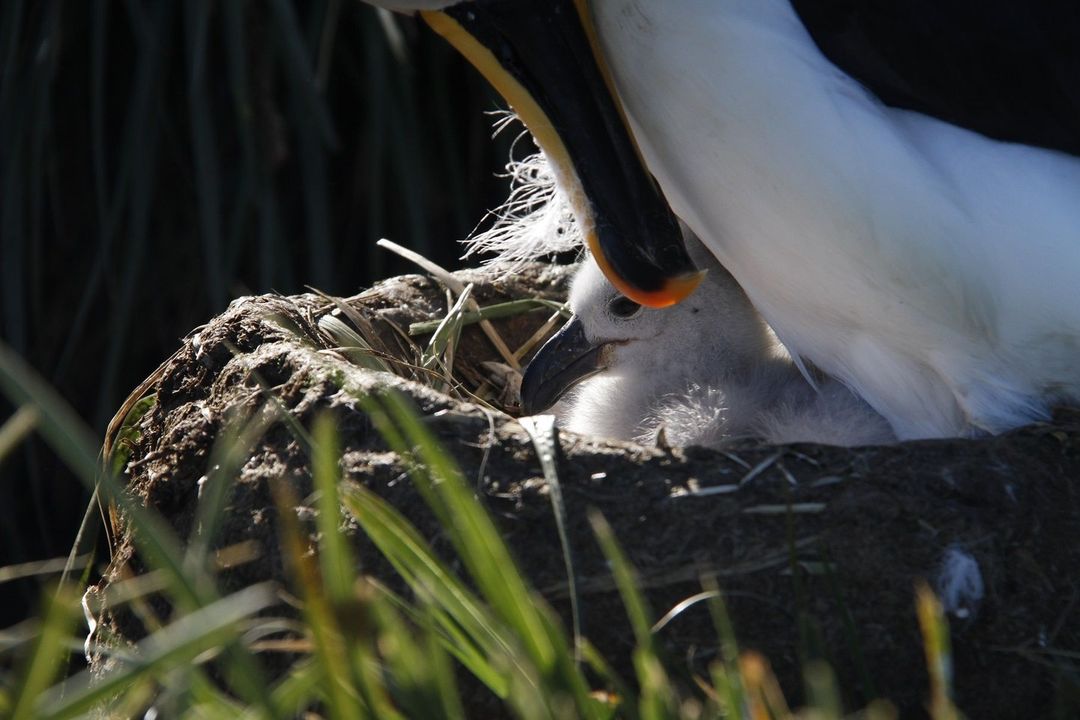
{"type": "Point", "coordinates": [895, 228]}
{"type": "Point", "coordinates": [542, 56]}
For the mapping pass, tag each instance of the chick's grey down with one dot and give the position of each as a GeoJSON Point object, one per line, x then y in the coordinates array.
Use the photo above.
{"type": "Point", "coordinates": [706, 371]}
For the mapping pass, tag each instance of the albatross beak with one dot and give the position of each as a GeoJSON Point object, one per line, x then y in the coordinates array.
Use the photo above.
{"type": "Point", "coordinates": [542, 56]}
{"type": "Point", "coordinates": [564, 361]}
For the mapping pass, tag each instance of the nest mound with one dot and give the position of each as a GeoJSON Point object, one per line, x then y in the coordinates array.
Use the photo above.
{"type": "Point", "coordinates": [821, 541]}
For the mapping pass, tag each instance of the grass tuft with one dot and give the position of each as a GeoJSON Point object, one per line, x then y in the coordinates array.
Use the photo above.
{"type": "Point", "coordinates": [359, 649]}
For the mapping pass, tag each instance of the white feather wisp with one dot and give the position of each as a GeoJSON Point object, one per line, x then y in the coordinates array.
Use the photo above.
{"type": "Point", "coordinates": [536, 220]}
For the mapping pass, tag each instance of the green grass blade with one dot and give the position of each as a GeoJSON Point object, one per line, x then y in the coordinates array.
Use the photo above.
{"type": "Point", "coordinates": [176, 645]}
{"type": "Point", "coordinates": [491, 312]}
{"type": "Point", "coordinates": [623, 700]}
{"type": "Point", "coordinates": [937, 644]}
{"type": "Point", "coordinates": [231, 450]}
{"type": "Point", "coordinates": [192, 694]}
{"type": "Point", "coordinates": [16, 429]}
{"type": "Point", "coordinates": [441, 672]}
{"type": "Point", "coordinates": [488, 560]}
{"type": "Point", "coordinates": [294, 693]}
{"type": "Point", "coordinates": [63, 430]}
{"type": "Point", "coordinates": [626, 580]}
{"type": "Point", "coordinates": [157, 544]}
{"type": "Point", "coordinates": [727, 680]}
{"type": "Point", "coordinates": [822, 693]}
{"type": "Point", "coordinates": [472, 532]}
{"type": "Point", "coordinates": [465, 618]}
{"type": "Point", "coordinates": [70, 439]}
{"type": "Point", "coordinates": [129, 434]}
{"type": "Point", "coordinates": [339, 624]}
{"type": "Point", "coordinates": [657, 699]}
{"type": "Point", "coordinates": [338, 572]}
{"type": "Point", "coordinates": [49, 654]}
{"type": "Point", "coordinates": [336, 560]}
{"type": "Point", "coordinates": [541, 430]}
{"type": "Point", "coordinates": [440, 348]}
{"type": "Point", "coordinates": [341, 695]}
{"type": "Point", "coordinates": [423, 681]}
{"type": "Point", "coordinates": [351, 344]}
{"type": "Point", "coordinates": [483, 663]}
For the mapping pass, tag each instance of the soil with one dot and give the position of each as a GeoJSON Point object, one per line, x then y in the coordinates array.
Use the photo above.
{"type": "Point", "coordinates": [818, 549]}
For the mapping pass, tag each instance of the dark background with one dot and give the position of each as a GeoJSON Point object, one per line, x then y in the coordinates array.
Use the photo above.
{"type": "Point", "coordinates": [158, 159]}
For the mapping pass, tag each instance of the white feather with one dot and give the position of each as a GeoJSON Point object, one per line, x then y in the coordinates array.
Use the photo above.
{"type": "Point", "coordinates": [959, 583]}
{"type": "Point", "coordinates": [535, 221]}
{"type": "Point", "coordinates": [930, 268]}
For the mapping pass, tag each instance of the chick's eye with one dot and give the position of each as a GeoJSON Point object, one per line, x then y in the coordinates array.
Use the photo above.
{"type": "Point", "coordinates": [624, 307]}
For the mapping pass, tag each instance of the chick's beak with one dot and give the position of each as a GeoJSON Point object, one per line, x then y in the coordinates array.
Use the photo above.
{"type": "Point", "coordinates": [543, 57]}
{"type": "Point", "coordinates": [564, 361]}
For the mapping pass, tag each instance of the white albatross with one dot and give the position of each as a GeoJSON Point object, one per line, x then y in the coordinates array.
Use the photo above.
{"type": "Point", "coordinates": [705, 371]}
{"type": "Point", "coordinates": [896, 185]}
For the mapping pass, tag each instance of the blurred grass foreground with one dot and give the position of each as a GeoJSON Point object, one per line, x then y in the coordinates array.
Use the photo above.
{"type": "Point", "coordinates": [359, 649]}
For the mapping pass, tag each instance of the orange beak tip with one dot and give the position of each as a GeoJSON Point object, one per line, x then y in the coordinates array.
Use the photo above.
{"type": "Point", "coordinates": [674, 290]}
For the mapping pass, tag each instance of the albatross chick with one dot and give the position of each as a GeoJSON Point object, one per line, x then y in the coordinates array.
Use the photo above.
{"type": "Point", "coordinates": [705, 371]}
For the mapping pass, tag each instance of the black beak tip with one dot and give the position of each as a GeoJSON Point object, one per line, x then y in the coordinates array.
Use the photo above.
{"type": "Point", "coordinates": [566, 359]}
{"type": "Point", "coordinates": [533, 398]}
{"type": "Point", "coordinates": [654, 269]}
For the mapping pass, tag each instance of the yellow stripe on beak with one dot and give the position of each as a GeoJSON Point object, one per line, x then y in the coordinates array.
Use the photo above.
{"type": "Point", "coordinates": [622, 215]}
{"type": "Point", "coordinates": [523, 103]}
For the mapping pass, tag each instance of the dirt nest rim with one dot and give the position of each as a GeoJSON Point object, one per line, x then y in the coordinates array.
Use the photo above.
{"type": "Point", "coordinates": [824, 541]}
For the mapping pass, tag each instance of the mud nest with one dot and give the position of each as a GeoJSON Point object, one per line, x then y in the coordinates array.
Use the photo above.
{"type": "Point", "coordinates": [814, 541]}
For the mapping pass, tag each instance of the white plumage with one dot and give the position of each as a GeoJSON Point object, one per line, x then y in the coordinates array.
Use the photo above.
{"type": "Point", "coordinates": [932, 269]}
